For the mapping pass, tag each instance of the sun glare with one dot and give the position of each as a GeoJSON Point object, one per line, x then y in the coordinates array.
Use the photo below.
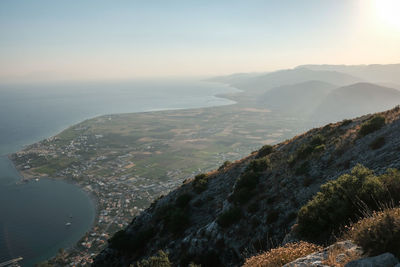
{"type": "Point", "coordinates": [389, 12]}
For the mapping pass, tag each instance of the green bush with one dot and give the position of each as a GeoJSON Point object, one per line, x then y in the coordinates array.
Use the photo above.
{"type": "Point", "coordinates": [253, 207]}
{"type": "Point", "coordinates": [371, 125]}
{"type": "Point", "coordinates": [303, 169]}
{"type": "Point", "coordinates": [378, 233]}
{"type": "Point", "coordinates": [131, 242]}
{"type": "Point", "coordinates": [242, 195]}
{"type": "Point", "coordinates": [273, 216]}
{"type": "Point", "coordinates": [317, 140]}
{"type": "Point", "coordinates": [319, 148]}
{"type": "Point", "coordinates": [258, 165]}
{"type": "Point", "coordinates": [346, 122]}
{"type": "Point", "coordinates": [183, 200]}
{"type": "Point", "coordinates": [159, 260]}
{"type": "Point", "coordinates": [177, 221]}
{"type": "Point", "coordinates": [229, 217]}
{"type": "Point", "coordinates": [244, 187]}
{"type": "Point", "coordinates": [304, 151]}
{"type": "Point", "coordinates": [200, 183]}
{"type": "Point", "coordinates": [264, 151]}
{"type": "Point", "coordinates": [307, 181]}
{"type": "Point", "coordinates": [377, 143]}
{"type": "Point", "coordinates": [346, 199]}
{"type": "Point", "coordinates": [224, 165]}
{"type": "Point", "coordinates": [247, 180]}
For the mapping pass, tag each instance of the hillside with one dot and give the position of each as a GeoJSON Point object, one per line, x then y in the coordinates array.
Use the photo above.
{"type": "Point", "coordinates": [300, 99]}
{"type": "Point", "coordinates": [222, 217]}
{"type": "Point", "coordinates": [355, 100]}
{"type": "Point", "coordinates": [388, 73]}
{"type": "Point", "coordinates": [264, 82]}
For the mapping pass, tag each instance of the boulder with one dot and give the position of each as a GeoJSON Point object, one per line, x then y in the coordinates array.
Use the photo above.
{"type": "Point", "coordinates": [383, 260]}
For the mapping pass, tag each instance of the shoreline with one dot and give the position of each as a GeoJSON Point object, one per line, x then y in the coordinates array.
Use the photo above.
{"type": "Point", "coordinates": [27, 176]}
{"type": "Point", "coordinates": [94, 200]}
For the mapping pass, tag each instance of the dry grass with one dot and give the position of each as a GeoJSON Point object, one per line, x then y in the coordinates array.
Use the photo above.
{"type": "Point", "coordinates": [378, 233]}
{"type": "Point", "coordinates": [282, 255]}
{"type": "Point", "coordinates": [338, 256]}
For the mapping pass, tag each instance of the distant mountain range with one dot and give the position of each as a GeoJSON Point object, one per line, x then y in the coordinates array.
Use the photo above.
{"type": "Point", "coordinates": [323, 93]}
{"type": "Point", "coordinates": [264, 82]}
{"type": "Point", "coordinates": [300, 99]}
{"type": "Point", "coordinates": [372, 73]}
{"type": "Point", "coordinates": [355, 100]}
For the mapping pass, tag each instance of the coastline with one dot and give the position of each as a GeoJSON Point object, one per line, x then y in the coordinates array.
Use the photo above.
{"type": "Point", "coordinates": [28, 176]}
{"type": "Point", "coordinates": [94, 200]}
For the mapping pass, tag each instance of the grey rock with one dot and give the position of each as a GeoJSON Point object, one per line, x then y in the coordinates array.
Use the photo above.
{"type": "Point", "coordinates": [316, 259]}
{"type": "Point", "coordinates": [383, 260]}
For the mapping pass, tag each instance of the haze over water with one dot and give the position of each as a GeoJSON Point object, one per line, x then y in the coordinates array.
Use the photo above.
{"type": "Point", "coordinates": [33, 215]}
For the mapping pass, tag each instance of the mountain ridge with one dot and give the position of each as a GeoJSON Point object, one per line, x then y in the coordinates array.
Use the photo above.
{"type": "Point", "coordinates": [224, 224]}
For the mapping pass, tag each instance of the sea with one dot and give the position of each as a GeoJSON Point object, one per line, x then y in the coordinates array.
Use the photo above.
{"type": "Point", "coordinates": [33, 215]}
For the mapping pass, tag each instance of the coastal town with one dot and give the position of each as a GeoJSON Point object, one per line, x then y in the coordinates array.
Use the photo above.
{"type": "Point", "coordinates": [124, 170]}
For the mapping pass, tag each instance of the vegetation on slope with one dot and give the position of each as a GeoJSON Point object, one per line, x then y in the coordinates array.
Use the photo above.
{"type": "Point", "coordinates": [378, 233]}
{"type": "Point", "coordinates": [282, 255]}
{"type": "Point", "coordinates": [347, 199]}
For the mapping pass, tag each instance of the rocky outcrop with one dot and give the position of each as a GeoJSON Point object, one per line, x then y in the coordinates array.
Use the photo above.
{"type": "Point", "coordinates": [337, 253]}
{"type": "Point", "coordinates": [220, 225]}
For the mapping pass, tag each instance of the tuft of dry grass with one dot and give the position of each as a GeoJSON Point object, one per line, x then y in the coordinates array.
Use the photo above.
{"type": "Point", "coordinates": [282, 255]}
{"type": "Point", "coordinates": [378, 233]}
{"type": "Point", "coordinates": [339, 256]}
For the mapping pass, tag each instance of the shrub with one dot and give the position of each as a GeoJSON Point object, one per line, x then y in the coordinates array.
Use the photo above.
{"type": "Point", "coordinates": [371, 125]}
{"type": "Point", "coordinates": [131, 242]}
{"type": "Point", "coordinates": [303, 169]}
{"type": "Point", "coordinates": [200, 183]}
{"type": "Point", "coordinates": [183, 200]}
{"type": "Point", "coordinates": [242, 195]}
{"type": "Point", "coordinates": [377, 143]}
{"type": "Point", "coordinates": [264, 151]}
{"type": "Point", "coordinates": [273, 216]}
{"type": "Point", "coordinates": [319, 148]}
{"type": "Point", "coordinates": [346, 122]}
{"type": "Point", "coordinates": [224, 165]}
{"type": "Point", "coordinates": [244, 187]}
{"type": "Point", "coordinates": [304, 151]}
{"type": "Point", "coordinates": [257, 165]}
{"type": "Point", "coordinates": [307, 181]}
{"type": "Point", "coordinates": [346, 199]}
{"type": "Point", "coordinates": [282, 255]}
{"type": "Point", "coordinates": [317, 140]}
{"type": "Point", "coordinates": [247, 180]}
{"type": "Point", "coordinates": [253, 207]}
{"type": "Point", "coordinates": [177, 221]}
{"type": "Point", "coordinates": [159, 260]}
{"type": "Point", "coordinates": [378, 233]}
{"type": "Point", "coordinates": [229, 217]}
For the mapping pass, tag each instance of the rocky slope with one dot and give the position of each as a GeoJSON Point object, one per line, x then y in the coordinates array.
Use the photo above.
{"type": "Point", "coordinates": [220, 218]}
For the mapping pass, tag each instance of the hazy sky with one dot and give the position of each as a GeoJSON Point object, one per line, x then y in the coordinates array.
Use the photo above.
{"type": "Point", "coordinates": [108, 39]}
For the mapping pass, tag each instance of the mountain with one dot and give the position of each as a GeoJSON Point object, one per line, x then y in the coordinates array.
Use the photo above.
{"type": "Point", "coordinates": [245, 207]}
{"type": "Point", "coordinates": [235, 78]}
{"type": "Point", "coordinates": [293, 76]}
{"type": "Point", "coordinates": [355, 100]}
{"type": "Point", "coordinates": [297, 99]}
{"type": "Point", "coordinates": [374, 73]}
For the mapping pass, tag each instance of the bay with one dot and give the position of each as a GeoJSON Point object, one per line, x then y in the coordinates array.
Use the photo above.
{"type": "Point", "coordinates": [33, 215]}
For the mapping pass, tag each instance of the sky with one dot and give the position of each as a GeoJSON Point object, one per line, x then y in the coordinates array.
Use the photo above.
{"type": "Point", "coordinates": [104, 39]}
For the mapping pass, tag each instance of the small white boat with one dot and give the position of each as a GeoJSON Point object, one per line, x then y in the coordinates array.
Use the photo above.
{"type": "Point", "coordinates": [68, 224]}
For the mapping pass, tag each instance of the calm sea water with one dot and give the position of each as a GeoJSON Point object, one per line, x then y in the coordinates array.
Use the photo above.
{"type": "Point", "coordinates": [33, 215]}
